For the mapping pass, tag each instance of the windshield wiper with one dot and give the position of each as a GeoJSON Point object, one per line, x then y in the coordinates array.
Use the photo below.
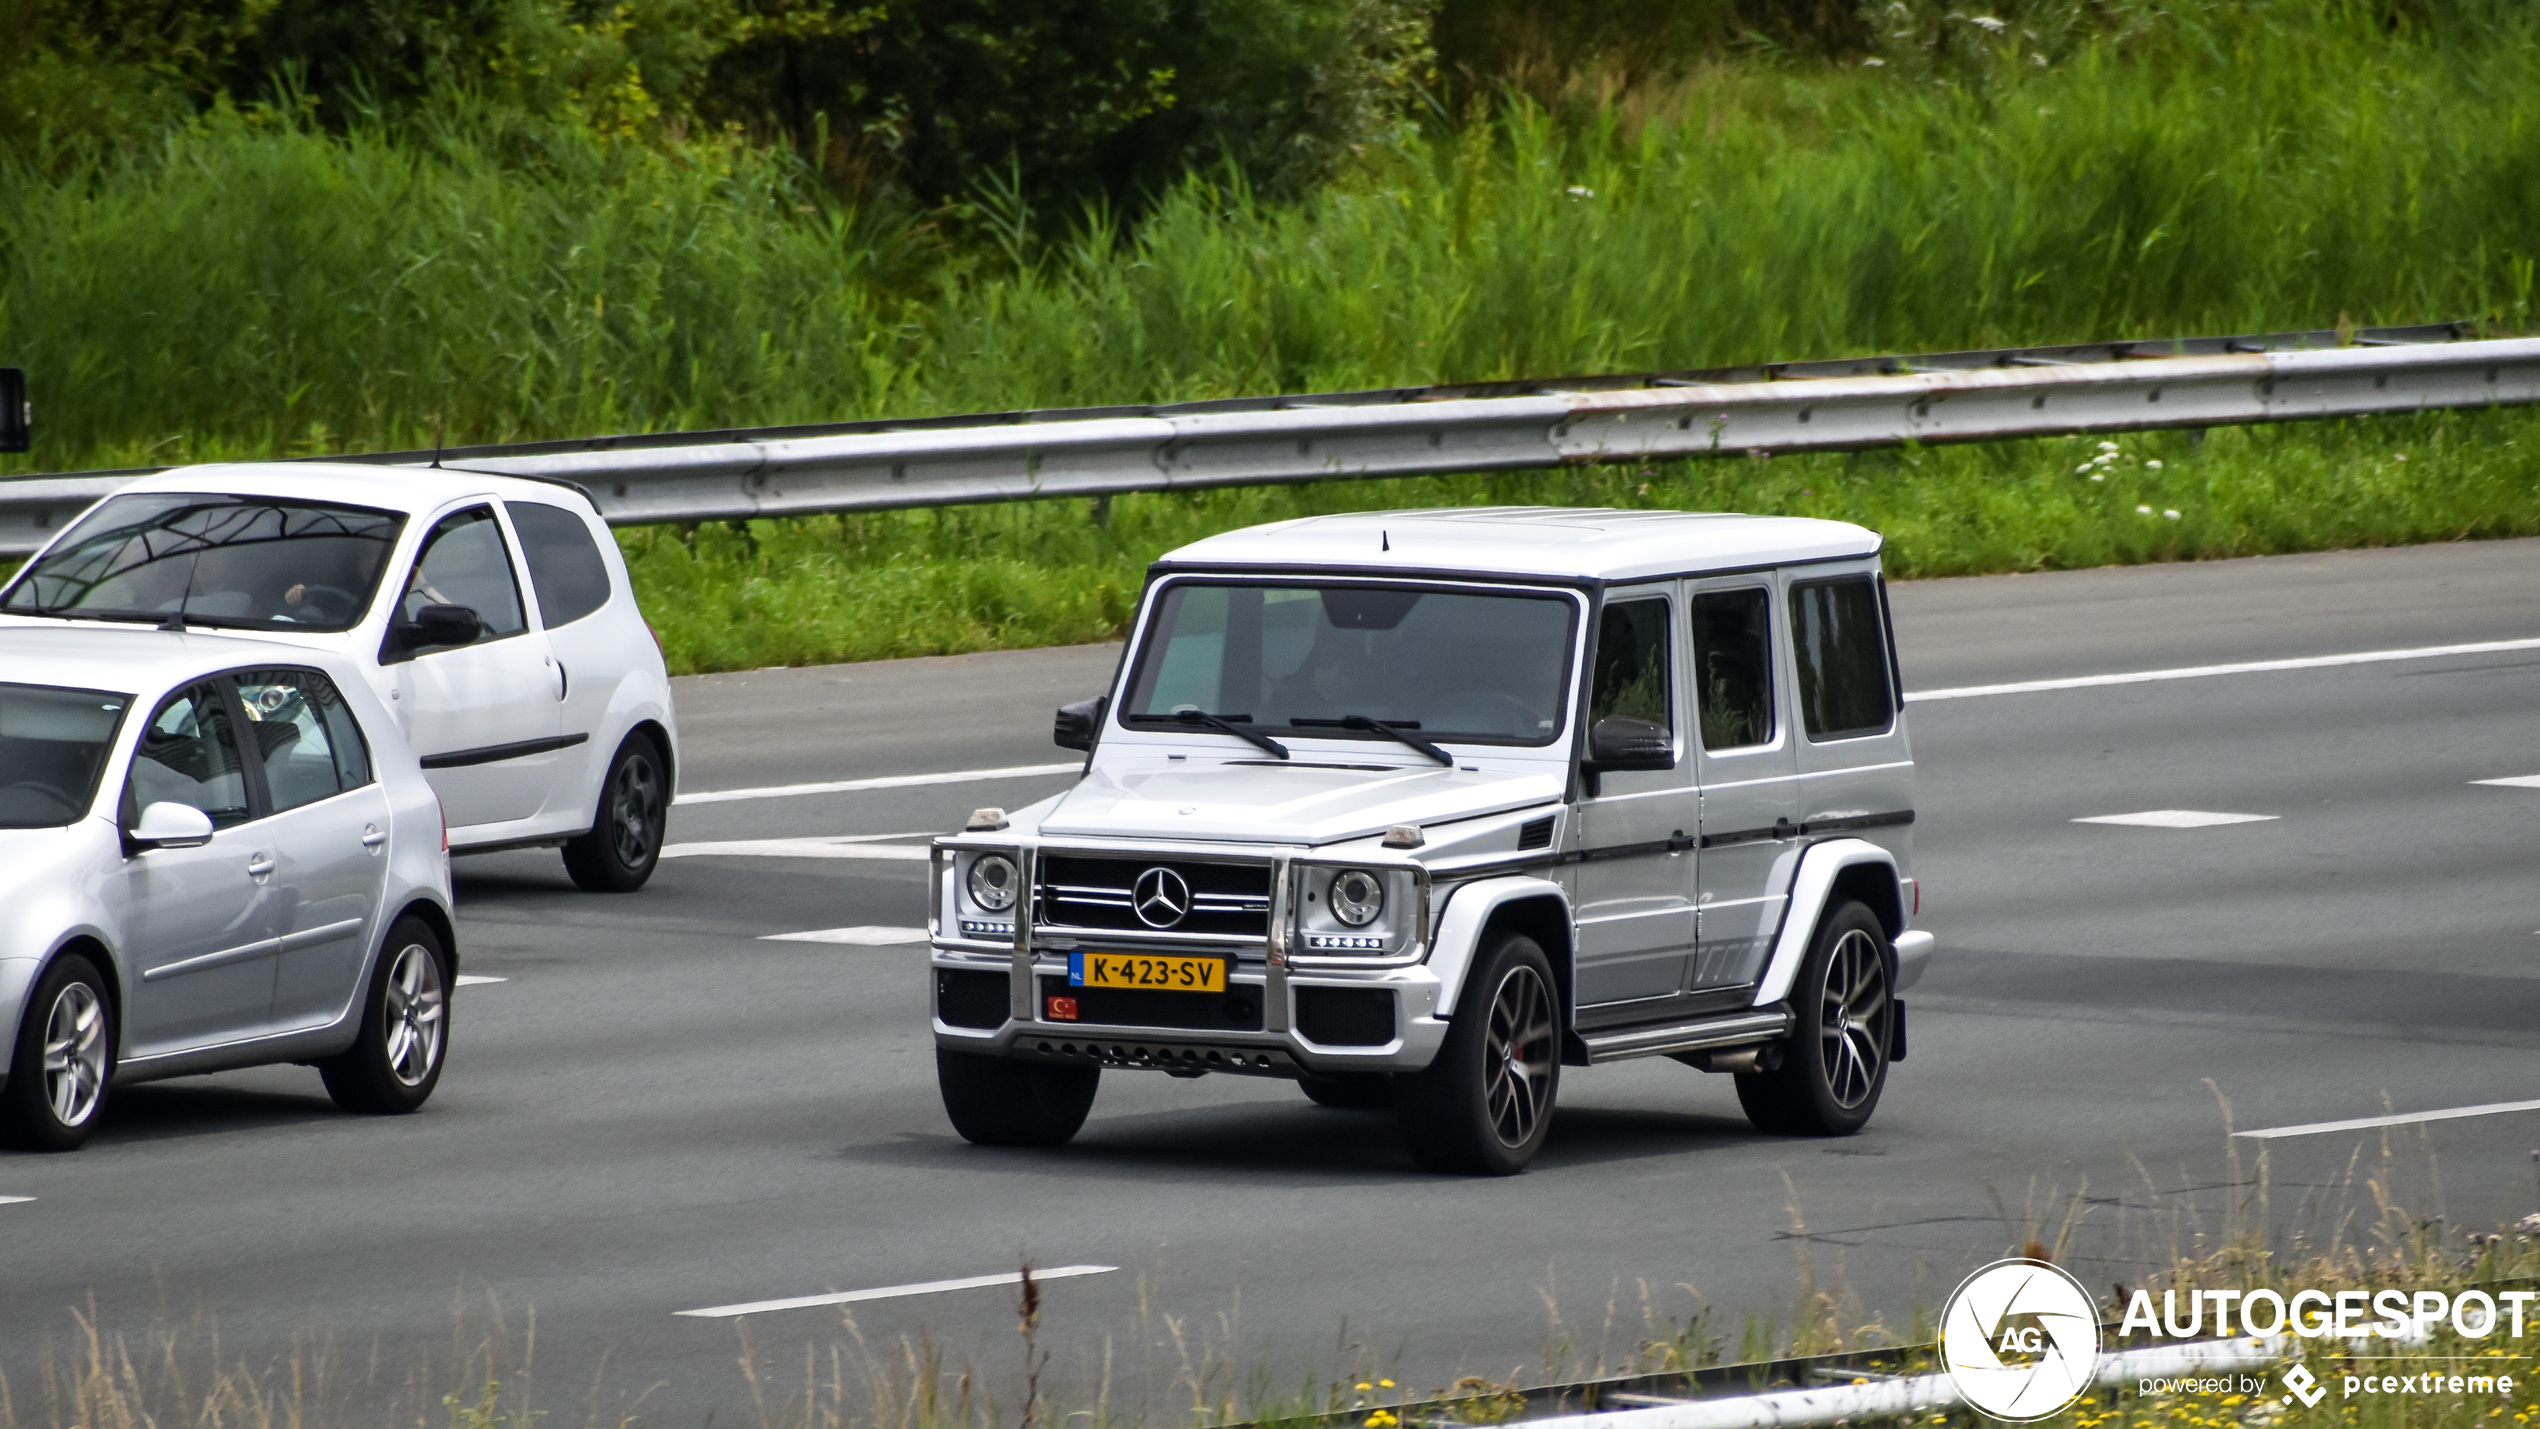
{"type": "Point", "coordinates": [1234, 725]}
{"type": "Point", "coordinates": [1397, 729]}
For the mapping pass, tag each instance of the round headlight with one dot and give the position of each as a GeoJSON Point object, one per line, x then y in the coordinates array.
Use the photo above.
{"type": "Point", "coordinates": [994, 882]}
{"type": "Point", "coordinates": [1357, 897]}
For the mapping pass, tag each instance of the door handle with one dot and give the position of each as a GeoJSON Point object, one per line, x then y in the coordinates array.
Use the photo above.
{"type": "Point", "coordinates": [259, 866]}
{"type": "Point", "coordinates": [564, 681]}
{"type": "Point", "coordinates": [372, 837]}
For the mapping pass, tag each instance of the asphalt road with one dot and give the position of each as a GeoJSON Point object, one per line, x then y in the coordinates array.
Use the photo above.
{"type": "Point", "coordinates": [659, 1110]}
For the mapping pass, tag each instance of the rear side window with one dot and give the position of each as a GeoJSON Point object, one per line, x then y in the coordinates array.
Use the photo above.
{"type": "Point", "coordinates": [564, 562]}
{"type": "Point", "coordinates": [1733, 668]}
{"type": "Point", "coordinates": [311, 750]}
{"type": "Point", "coordinates": [1843, 674]}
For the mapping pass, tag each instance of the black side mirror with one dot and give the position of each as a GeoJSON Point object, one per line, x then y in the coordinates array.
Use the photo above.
{"type": "Point", "coordinates": [1620, 742]}
{"type": "Point", "coordinates": [434, 627]}
{"type": "Point", "coordinates": [1076, 724]}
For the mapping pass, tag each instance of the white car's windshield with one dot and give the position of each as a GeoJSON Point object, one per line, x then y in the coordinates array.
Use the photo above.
{"type": "Point", "coordinates": [1462, 665]}
{"type": "Point", "coordinates": [53, 743]}
{"type": "Point", "coordinates": [246, 562]}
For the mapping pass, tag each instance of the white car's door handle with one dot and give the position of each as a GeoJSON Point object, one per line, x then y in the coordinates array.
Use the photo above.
{"type": "Point", "coordinates": [372, 837]}
{"type": "Point", "coordinates": [259, 866]}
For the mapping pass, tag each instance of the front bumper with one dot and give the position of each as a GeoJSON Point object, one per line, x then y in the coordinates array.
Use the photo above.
{"type": "Point", "coordinates": [1282, 1045]}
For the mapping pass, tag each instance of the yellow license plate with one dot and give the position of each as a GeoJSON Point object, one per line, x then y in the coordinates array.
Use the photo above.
{"type": "Point", "coordinates": [1139, 970]}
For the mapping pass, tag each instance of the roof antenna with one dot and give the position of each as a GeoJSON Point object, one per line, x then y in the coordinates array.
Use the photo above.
{"type": "Point", "coordinates": [175, 624]}
{"type": "Point", "coordinates": [440, 421]}
{"type": "Point", "coordinates": [1384, 540]}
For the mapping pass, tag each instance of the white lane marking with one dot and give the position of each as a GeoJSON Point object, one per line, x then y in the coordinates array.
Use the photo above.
{"type": "Point", "coordinates": [2363, 1123]}
{"type": "Point", "coordinates": [866, 936]}
{"type": "Point", "coordinates": [893, 781]}
{"type": "Point", "coordinates": [15, 1200]}
{"type": "Point", "coordinates": [2198, 672]}
{"type": "Point", "coordinates": [2176, 819]}
{"type": "Point", "coordinates": [893, 1292]}
{"type": "Point", "coordinates": [2519, 781]}
{"type": "Point", "coordinates": [478, 979]}
{"type": "Point", "coordinates": [821, 846]}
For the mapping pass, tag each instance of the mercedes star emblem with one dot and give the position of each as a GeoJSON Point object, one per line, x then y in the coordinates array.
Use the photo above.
{"type": "Point", "coordinates": [1160, 897]}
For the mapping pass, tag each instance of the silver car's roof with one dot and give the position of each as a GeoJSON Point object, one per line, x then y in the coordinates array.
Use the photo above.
{"type": "Point", "coordinates": [137, 659]}
{"type": "Point", "coordinates": [1582, 543]}
{"type": "Point", "coordinates": [410, 489]}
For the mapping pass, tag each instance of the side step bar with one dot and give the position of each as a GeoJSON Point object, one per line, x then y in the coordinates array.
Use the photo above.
{"type": "Point", "coordinates": [1730, 1031]}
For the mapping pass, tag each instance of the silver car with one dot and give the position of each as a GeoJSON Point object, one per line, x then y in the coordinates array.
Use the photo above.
{"type": "Point", "coordinates": [215, 852]}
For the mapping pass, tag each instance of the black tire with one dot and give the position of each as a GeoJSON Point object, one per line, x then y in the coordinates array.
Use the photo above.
{"type": "Point", "coordinates": [1835, 1064]}
{"type": "Point", "coordinates": [624, 842]}
{"type": "Point", "coordinates": [396, 1060]}
{"type": "Point", "coordinates": [996, 1102]}
{"type": "Point", "coordinates": [1484, 1106]}
{"type": "Point", "coordinates": [1350, 1091]}
{"type": "Point", "coordinates": [64, 1059]}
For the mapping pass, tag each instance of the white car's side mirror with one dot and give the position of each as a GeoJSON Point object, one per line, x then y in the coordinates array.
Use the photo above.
{"type": "Point", "coordinates": [167, 825]}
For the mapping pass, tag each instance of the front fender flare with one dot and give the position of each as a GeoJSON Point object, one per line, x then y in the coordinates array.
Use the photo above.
{"type": "Point", "coordinates": [1469, 908]}
{"type": "Point", "coordinates": [1810, 887]}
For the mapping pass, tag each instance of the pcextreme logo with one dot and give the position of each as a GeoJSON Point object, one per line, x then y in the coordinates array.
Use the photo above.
{"type": "Point", "coordinates": [2020, 1340]}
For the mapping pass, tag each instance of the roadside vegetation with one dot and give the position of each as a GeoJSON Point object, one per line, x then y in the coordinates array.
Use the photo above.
{"type": "Point", "coordinates": [507, 222]}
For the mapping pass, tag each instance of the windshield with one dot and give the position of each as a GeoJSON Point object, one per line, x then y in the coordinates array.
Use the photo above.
{"type": "Point", "coordinates": [241, 561]}
{"type": "Point", "coordinates": [1451, 664]}
{"type": "Point", "coordinates": [53, 743]}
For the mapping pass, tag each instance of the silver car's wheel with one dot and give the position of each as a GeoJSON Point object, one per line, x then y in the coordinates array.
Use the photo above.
{"type": "Point", "coordinates": [1854, 1020]}
{"type": "Point", "coordinates": [1484, 1105]}
{"type": "Point", "coordinates": [75, 1055]}
{"type": "Point", "coordinates": [63, 1059]}
{"type": "Point", "coordinates": [395, 1060]}
{"type": "Point", "coordinates": [415, 1003]}
{"type": "Point", "coordinates": [1520, 1053]}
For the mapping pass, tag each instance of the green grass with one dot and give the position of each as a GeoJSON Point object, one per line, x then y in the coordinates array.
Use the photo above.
{"type": "Point", "coordinates": [252, 287]}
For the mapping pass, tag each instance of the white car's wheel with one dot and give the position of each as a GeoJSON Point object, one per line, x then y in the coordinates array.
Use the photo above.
{"type": "Point", "coordinates": [1835, 1064]}
{"type": "Point", "coordinates": [624, 843]}
{"type": "Point", "coordinates": [63, 1060]}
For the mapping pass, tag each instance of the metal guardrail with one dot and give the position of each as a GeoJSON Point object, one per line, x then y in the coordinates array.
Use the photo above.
{"type": "Point", "coordinates": [1848, 405]}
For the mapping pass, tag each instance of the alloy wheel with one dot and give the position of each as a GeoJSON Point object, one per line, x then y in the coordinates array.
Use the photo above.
{"type": "Point", "coordinates": [413, 1013]}
{"type": "Point", "coordinates": [75, 1054]}
{"type": "Point", "coordinates": [635, 811]}
{"type": "Point", "coordinates": [1854, 1024]}
{"type": "Point", "coordinates": [1518, 1051]}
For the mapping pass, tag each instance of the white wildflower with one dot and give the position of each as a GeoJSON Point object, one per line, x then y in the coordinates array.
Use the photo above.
{"type": "Point", "coordinates": [1874, 63]}
{"type": "Point", "coordinates": [2171, 514]}
{"type": "Point", "coordinates": [2153, 465]}
{"type": "Point", "coordinates": [2097, 475]}
{"type": "Point", "coordinates": [2038, 60]}
{"type": "Point", "coordinates": [2085, 466]}
{"type": "Point", "coordinates": [2529, 1225]}
{"type": "Point", "coordinates": [1987, 23]}
{"type": "Point", "coordinates": [1575, 191]}
{"type": "Point", "coordinates": [2143, 511]}
{"type": "Point", "coordinates": [2107, 446]}
{"type": "Point", "coordinates": [2403, 456]}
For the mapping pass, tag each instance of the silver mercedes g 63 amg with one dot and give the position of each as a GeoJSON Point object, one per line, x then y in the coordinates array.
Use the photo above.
{"type": "Point", "coordinates": [1418, 808]}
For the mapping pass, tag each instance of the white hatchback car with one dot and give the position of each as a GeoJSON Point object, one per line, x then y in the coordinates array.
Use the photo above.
{"type": "Point", "coordinates": [491, 615]}
{"type": "Point", "coordinates": [214, 853]}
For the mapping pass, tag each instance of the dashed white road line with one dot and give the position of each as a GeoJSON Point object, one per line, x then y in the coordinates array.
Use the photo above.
{"type": "Point", "coordinates": [478, 979]}
{"type": "Point", "coordinates": [893, 781]}
{"type": "Point", "coordinates": [15, 1200]}
{"type": "Point", "coordinates": [893, 1292]}
{"type": "Point", "coordinates": [823, 846]}
{"type": "Point", "coordinates": [2246, 667]}
{"type": "Point", "coordinates": [2364, 1123]}
{"type": "Point", "coordinates": [866, 936]}
{"type": "Point", "coordinates": [2519, 781]}
{"type": "Point", "coordinates": [2176, 819]}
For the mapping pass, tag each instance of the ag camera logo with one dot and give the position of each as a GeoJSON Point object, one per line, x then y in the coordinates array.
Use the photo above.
{"type": "Point", "coordinates": [2020, 1340]}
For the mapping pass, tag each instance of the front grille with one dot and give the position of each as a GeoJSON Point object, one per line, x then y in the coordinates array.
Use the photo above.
{"type": "Point", "coordinates": [1237, 1009]}
{"type": "Point", "coordinates": [968, 998]}
{"type": "Point", "coordinates": [1345, 1016]}
{"type": "Point", "coordinates": [1224, 900]}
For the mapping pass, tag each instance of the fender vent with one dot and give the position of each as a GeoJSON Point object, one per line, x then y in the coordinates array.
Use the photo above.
{"type": "Point", "coordinates": [1535, 833]}
{"type": "Point", "coordinates": [968, 998]}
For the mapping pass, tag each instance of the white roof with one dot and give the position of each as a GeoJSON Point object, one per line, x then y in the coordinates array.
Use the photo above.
{"type": "Point", "coordinates": [410, 489]}
{"type": "Point", "coordinates": [134, 659]}
{"type": "Point", "coordinates": [1541, 541]}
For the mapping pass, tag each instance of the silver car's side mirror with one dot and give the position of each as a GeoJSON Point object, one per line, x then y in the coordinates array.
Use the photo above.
{"type": "Point", "coordinates": [165, 825]}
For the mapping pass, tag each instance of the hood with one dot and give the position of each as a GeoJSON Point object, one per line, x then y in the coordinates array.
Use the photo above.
{"type": "Point", "coordinates": [1270, 803]}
